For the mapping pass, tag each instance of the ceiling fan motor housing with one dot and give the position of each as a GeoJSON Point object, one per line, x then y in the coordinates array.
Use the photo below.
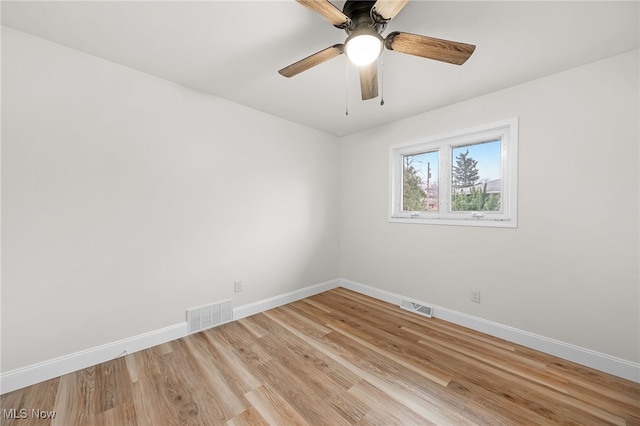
{"type": "Point", "coordinates": [362, 16]}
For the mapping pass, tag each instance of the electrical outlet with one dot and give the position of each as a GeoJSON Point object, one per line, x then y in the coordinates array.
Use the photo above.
{"type": "Point", "coordinates": [237, 286]}
{"type": "Point", "coordinates": [475, 296]}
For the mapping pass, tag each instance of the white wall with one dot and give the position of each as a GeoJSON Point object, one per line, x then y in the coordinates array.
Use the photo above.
{"type": "Point", "coordinates": [570, 269]}
{"type": "Point", "coordinates": [127, 199]}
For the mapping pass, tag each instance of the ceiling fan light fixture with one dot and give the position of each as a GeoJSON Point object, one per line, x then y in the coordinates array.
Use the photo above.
{"type": "Point", "coordinates": [363, 47]}
{"type": "Point", "coordinates": [364, 22]}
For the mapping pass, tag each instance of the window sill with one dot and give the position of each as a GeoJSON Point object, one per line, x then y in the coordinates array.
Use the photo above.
{"type": "Point", "coordinates": [492, 223]}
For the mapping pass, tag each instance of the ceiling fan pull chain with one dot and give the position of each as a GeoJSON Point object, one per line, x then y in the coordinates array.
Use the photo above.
{"type": "Point", "coordinates": [346, 90]}
{"type": "Point", "coordinates": [381, 79]}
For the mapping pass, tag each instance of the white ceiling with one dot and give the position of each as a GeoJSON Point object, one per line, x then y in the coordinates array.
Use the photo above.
{"type": "Point", "coordinates": [233, 49]}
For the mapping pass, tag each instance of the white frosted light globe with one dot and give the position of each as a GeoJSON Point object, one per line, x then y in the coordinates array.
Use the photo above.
{"type": "Point", "coordinates": [363, 49]}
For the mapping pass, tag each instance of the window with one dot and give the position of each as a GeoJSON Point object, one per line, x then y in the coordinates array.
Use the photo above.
{"type": "Point", "coordinates": [465, 178]}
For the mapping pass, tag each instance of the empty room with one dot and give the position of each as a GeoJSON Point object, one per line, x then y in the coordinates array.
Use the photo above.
{"type": "Point", "coordinates": [320, 213]}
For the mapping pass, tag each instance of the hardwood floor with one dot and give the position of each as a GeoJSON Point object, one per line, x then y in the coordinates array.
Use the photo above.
{"type": "Point", "coordinates": [336, 358]}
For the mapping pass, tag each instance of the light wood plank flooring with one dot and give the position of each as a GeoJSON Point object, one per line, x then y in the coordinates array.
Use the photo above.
{"type": "Point", "coordinates": [336, 358]}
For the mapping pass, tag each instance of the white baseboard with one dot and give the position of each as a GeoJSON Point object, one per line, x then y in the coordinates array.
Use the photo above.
{"type": "Point", "coordinates": [36, 373]}
{"type": "Point", "coordinates": [609, 364]}
{"type": "Point", "coordinates": [273, 302]}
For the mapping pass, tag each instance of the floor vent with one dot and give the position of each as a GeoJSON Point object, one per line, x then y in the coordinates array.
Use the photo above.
{"type": "Point", "coordinates": [417, 308]}
{"type": "Point", "coordinates": [208, 316]}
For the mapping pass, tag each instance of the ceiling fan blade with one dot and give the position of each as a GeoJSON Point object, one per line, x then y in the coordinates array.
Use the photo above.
{"type": "Point", "coordinates": [387, 9]}
{"type": "Point", "coordinates": [313, 60]}
{"type": "Point", "coordinates": [369, 81]}
{"type": "Point", "coordinates": [332, 14]}
{"type": "Point", "coordinates": [429, 47]}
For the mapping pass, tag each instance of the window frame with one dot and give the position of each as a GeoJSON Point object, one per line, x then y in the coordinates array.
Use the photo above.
{"type": "Point", "coordinates": [506, 131]}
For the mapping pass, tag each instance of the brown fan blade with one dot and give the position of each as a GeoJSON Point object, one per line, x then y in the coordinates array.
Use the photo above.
{"type": "Point", "coordinates": [429, 47]}
{"type": "Point", "coordinates": [332, 14]}
{"type": "Point", "coordinates": [313, 60]}
{"type": "Point", "coordinates": [369, 81]}
{"type": "Point", "coordinates": [385, 10]}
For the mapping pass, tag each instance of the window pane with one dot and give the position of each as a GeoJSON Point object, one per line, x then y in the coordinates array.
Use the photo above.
{"type": "Point", "coordinates": [476, 183]}
{"type": "Point", "coordinates": [420, 182]}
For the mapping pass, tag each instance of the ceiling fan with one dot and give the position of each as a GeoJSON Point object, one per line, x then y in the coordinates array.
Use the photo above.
{"type": "Point", "coordinates": [364, 22]}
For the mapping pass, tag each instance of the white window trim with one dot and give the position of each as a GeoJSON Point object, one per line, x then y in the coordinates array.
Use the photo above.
{"type": "Point", "coordinates": [506, 130]}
